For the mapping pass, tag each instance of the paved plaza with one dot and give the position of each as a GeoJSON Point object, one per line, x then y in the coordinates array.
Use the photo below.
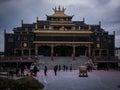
{"type": "Point", "coordinates": [96, 80]}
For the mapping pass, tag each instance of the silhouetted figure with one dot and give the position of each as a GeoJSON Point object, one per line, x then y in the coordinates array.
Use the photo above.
{"type": "Point", "coordinates": [59, 67]}
{"type": "Point", "coordinates": [70, 67]}
{"type": "Point", "coordinates": [55, 69]}
{"type": "Point", "coordinates": [45, 70]}
{"type": "Point", "coordinates": [35, 70]}
{"type": "Point", "coordinates": [88, 67]}
{"type": "Point", "coordinates": [66, 68]}
{"type": "Point", "coordinates": [17, 72]}
{"type": "Point", "coordinates": [22, 71]}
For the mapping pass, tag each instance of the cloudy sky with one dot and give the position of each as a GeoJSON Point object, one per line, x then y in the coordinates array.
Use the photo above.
{"type": "Point", "coordinates": [106, 11]}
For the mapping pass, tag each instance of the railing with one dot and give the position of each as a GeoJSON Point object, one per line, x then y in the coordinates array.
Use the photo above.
{"type": "Point", "coordinates": [106, 58]}
{"type": "Point", "coordinates": [12, 58]}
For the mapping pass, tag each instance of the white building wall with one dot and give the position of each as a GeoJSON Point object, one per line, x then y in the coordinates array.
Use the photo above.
{"type": "Point", "coordinates": [117, 52]}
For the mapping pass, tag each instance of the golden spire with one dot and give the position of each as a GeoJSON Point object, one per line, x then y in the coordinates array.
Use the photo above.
{"type": "Point", "coordinates": [59, 8]}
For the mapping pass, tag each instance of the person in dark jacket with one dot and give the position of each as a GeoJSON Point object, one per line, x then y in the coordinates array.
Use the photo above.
{"type": "Point", "coordinates": [70, 67]}
{"type": "Point", "coordinates": [35, 70]}
{"type": "Point", "coordinates": [55, 70]}
{"type": "Point", "coordinates": [45, 70]}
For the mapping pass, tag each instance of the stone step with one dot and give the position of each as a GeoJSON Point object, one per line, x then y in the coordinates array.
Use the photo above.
{"type": "Point", "coordinates": [62, 61]}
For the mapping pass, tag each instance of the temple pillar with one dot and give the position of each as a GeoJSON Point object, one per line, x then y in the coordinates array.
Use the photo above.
{"type": "Point", "coordinates": [22, 52]}
{"type": "Point", "coordinates": [73, 55]}
{"type": "Point", "coordinates": [52, 51]}
{"type": "Point", "coordinates": [29, 53]}
{"type": "Point", "coordinates": [89, 51]}
{"type": "Point", "coordinates": [100, 51]}
{"type": "Point", "coordinates": [14, 52]}
{"type": "Point", "coordinates": [36, 49]}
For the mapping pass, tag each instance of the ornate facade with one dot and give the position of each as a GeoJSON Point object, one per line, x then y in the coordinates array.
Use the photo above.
{"type": "Point", "coordinates": [58, 35]}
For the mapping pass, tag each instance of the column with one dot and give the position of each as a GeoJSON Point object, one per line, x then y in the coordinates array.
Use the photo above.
{"type": "Point", "coordinates": [29, 54]}
{"type": "Point", "coordinates": [89, 51]}
{"type": "Point", "coordinates": [73, 55]}
{"type": "Point", "coordinates": [36, 49]}
{"type": "Point", "coordinates": [22, 52]}
{"type": "Point", "coordinates": [52, 51]}
{"type": "Point", "coordinates": [100, 52]}
{"type": "Point", "coordinates": [14, 52]}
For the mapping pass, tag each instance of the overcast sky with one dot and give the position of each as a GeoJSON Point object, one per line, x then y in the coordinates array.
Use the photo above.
{"type": "Point", "coordinates": [106, 11]}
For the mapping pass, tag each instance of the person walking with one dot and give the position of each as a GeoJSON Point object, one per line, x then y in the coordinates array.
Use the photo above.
{"type": "Point", "coordinates": [35, 70]}
{"type": "Point", "coordinates": [70, 67]}
{"type": "Point", "coordinates": [55, 70]}
{"type": "Point", "coordinates": [45, 70]}
{"type": "Point", "coordinates": [66, 68]}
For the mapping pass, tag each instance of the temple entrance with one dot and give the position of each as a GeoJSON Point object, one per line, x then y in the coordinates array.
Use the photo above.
{"type": "Point", "coordinates": [44, 50]}
{"type": "Point", "coordinates": [63, 50]}
{"type": "Point", "coordinates": [18, 52]}
{"type": "Point", "coordinates": [80, 50]}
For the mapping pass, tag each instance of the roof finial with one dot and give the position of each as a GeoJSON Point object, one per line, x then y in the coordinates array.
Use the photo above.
{"type": "Point", "coordinates": [83, 19]}
{"type": "Point", "coordinates": [100, 23]}
{"type": "Point", "coordinates": [21, 22]}
{"type": "Point", "coordinates": [63, 9]}
{"type": "Point", "coordinates": [36, 18]}
{"type": "Point", "coordinates": [55, 9]}
{"type": "Point", "coordinates": [59, 8]}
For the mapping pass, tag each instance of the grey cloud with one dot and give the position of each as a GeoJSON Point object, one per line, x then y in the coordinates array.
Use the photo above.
{"type": "Point", "coordinates": [103, 2]}
{"type": "Point", "coordinates": [107, 11]}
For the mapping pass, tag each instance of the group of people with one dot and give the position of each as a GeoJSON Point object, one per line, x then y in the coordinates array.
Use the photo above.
{"type": "Point", "coordinates": [19, 71]}
{"type": "Point", "coordinates": [33, 69]}
{"type": "Point", "coordinates": [57, 68]}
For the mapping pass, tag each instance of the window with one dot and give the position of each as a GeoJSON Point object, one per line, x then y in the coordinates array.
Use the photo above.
{"type": "Point", "coordinates": [18, 38]}
{"type": "Point", "coordinates": [26, 29]}
{"type": "Point", "coordinates": [33, 29]}
{"type": "Point", "coordinates": [32, 38]}
{"type": "Point", "coordinates": [25, 45]}
{"type": "Point", "coordinates": [98, 46]}
{"type": "Point", "coordinates": [98, 39]}
{"type": "Point", "coordinates": [109, 41]}
{"type": "Point", "coordinates": [24, 38]}
{"type": "Point", "coordinates": [10, 40]}
{"type": "Point", "coordinates": [104, 39]}
{"type": "Point", "coordinates": [79, 27]}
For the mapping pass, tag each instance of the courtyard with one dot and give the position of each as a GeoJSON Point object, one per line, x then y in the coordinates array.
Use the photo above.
{"type": "Point", "coordinates": [96, 80]}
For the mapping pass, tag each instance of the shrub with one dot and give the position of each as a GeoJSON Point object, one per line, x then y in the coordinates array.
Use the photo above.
{"type": "Point", "coordinates": [27, 83]}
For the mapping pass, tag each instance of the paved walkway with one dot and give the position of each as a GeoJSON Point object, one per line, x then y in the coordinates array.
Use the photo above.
{"type": "Point", "coordinates": [96, 80]}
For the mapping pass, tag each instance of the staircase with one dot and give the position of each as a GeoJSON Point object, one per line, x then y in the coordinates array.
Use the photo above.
{"type": "Point", "coordinates": [63, 61]}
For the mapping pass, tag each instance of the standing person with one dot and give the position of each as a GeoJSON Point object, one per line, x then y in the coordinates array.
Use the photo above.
{"type": "Point", "coordinates": [45, 70]}
{"type": "Point", "coordinates": [66, 68]}
{"type": "Point", "coordinates": [32, 68]}
{"type": "Point", "coordinates": [55, 69]}
{"type": "Point", "coordinates": [17, 71]}
{"type": "Point", "coordinates": [22, 71]}
{"type": "Point", "coordinates": [35, 70]}
{"type": "Point", "coordinates": [70, 67]}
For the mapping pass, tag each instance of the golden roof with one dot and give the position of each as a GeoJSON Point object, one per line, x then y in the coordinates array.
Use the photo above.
{"type": "Point", "coordinates": [59, 13]}
{"type": "Point", "coordinates": [48, 42]}
{"type": "Point", "coordinates": [64, 32]}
